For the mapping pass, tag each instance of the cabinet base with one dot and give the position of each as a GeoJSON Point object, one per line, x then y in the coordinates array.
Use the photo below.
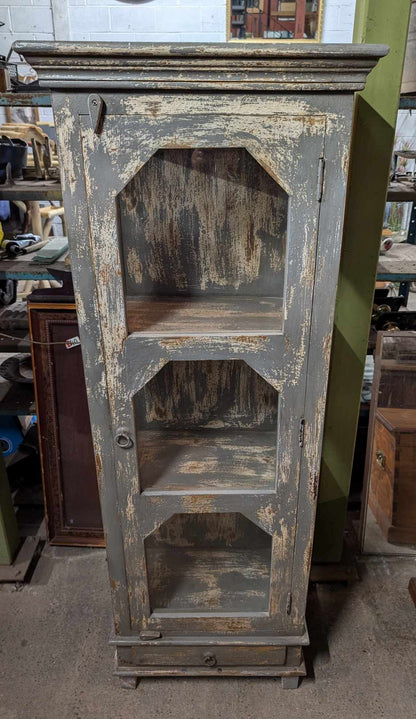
{"type": "Point", "coordinates": [289, 673]}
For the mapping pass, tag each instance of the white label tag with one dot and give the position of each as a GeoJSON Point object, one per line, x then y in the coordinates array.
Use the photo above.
{"type": "Point", "coordinates": [72, 342]}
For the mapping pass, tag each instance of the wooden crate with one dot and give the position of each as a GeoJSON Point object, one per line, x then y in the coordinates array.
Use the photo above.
{"type": "Point", "coordinates": [393, 475]}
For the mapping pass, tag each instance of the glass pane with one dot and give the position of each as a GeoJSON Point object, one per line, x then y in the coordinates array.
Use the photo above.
{"type": "Point", "coordinates": [203, 237]}
{"type": "Point", "coordinates": [207, 426]}
{"type": "Point", "coordinates": [208, 563]}
{"type": "Point", "coordinates": [275, 19]}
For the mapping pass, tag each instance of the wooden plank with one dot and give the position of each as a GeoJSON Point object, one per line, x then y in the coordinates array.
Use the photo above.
{"type": "Point", "coordinates": [400, 260]}
{"type": "Point", "coordinates": [300, 19]}
{"type": "Point", "coordinates": [209, 580]}
{"type": "Point", "coordinates": [75, 202]}
{"type": "Point", "coordinates": [22, 268]}
{"type": "Point", "coordinates": [203, 655]}
{"type": "Point", "coordinates": [249, 671]}
{"type": "Point", "coordinates": [398, 419]}
{"type": "Point", "coordinates": [178, 316]}
{"type": "Point", "coordinates": [217, 66]}
{"type": "Point", "coordinates": [403, 190]}
{"type": "Point", "coordinates": [25, 99]}
{"type": "Point", "coordinates": [31, 190]}
{"type": "Point", "coordinates": [207, 461]}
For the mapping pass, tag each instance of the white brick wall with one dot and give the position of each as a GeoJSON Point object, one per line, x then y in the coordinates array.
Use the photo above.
{"type": "Point", "coordinates": [24, 20]}
{"type": "Point", "coordinates": [155, 21]}
{"type": "Point", "coordinates": [152, 21]}
{"type": "Point", "coordinates": [338, 21]}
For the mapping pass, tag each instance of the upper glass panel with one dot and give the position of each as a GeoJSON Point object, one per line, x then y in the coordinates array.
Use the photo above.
{"type": "Point", "coordinates": [275, 19]}
{"type": "Point", "coordinates": [203, 241]}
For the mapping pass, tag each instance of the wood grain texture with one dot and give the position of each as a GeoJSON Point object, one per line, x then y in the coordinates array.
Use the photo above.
{"type": "Point", "coordinates": [392, 494]}
{"type": "Point", "coordinates": [72, 506]}
{"type": "Point", "coordinates": [213, 66]}
{"type": "Point", "coordinates": [397, 419]}
{"type": "Point", "coordinates": [207, 394]}
{"type": "Point", "coordinates": [178, 316]}
{"type": "Point", "coordinates": [207, 461]}
{"type": "Point", "coordinates": [220, 563]}
{"type": "Point", "coordinates": [221, 228]}
{"type": "Point", "coordinates": [197, 656]}
{"type": "Point", "coordinates": [208, 563]}
{"type": "Point", "coordinates": [394, 385]}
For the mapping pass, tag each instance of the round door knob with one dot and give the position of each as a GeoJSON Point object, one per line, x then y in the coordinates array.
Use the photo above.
{"type": "Point", "coordinates": [210, 659]}
{"type": "Point", "coordinates": [123, 439]}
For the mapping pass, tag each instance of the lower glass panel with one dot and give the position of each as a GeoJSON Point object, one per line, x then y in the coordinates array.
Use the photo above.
{"type": "Point", "coordinates": [217, 562]}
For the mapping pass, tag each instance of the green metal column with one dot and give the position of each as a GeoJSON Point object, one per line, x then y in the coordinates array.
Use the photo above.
{"type": "Point", "coordinates": [8, 526]}
{"type": "Point", "coordinates": [376, 21]}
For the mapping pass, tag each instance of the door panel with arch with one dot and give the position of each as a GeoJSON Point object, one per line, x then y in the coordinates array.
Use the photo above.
{"type": "Point", "coordinates": [201, 229]}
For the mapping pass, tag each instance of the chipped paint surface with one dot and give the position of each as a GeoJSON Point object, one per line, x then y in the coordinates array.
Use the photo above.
{"type": "Point", "coordinates": [144, 374]}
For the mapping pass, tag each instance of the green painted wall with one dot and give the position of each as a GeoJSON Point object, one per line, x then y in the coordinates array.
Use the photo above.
{"type": "Point", "coordinates": [376, 21]}
{"type": "Point", "coordinates": [8, 526]}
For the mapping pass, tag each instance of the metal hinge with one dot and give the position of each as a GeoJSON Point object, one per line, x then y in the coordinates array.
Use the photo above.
{"type": "Point", "coordinates": [289, 603]}
{"type": "Point", "coordinates": [301, 432]}
{"type": "Point", "coordinates": [321, 178]}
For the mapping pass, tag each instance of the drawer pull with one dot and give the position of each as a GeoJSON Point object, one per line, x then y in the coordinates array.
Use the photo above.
{"type": "Point", "coordinates": [381, 459]}
{"type": "Point", "coordinates": [210, 660]}
{"type": "Point", "coordinates": [123, 439]}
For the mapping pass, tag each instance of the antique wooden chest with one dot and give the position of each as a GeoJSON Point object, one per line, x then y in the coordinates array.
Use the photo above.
{"type": "Point", "coordinates": [70, 491]}
{"type": "Point", "coordinates": [204, 190]}
{"type": "Point", "coordinates": [393, 474]}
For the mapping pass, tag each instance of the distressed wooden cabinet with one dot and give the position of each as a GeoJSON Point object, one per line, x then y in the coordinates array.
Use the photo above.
{"type": "Point", "coordinates": [204, 190]}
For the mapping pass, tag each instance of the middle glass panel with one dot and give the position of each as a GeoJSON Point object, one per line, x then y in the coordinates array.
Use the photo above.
{"type": "Point", "coordinates": [207, 425]}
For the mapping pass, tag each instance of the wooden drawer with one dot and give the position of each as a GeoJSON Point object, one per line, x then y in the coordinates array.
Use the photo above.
{"type": "Point", "coordinates": [202, 656]}
{"type": "Point", "coordinates": [393, 488]}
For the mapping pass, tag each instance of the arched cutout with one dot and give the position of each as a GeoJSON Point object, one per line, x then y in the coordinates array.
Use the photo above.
{"type": "Point", "coordinates": [203, 224]}
{"type": "Point", "coordinates": [208, 562]}
{"type": "Point", "coordinates": [206, 426]}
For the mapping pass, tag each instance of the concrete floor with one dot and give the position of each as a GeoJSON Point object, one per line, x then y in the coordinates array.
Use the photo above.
{"type": "Point", "coordinates": [55, 662]}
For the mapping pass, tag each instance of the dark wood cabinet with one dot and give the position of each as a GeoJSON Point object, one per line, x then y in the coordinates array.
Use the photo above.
{"type": "Point", "coordinates": [393, 475]}
{"type": "Point", "coordinates": [204, 192]}
{"type": "Point", "coordinates": [72, 505]}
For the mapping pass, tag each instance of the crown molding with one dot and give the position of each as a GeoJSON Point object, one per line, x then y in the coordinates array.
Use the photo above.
{"type": "Point", "coordinates": [216, 67]}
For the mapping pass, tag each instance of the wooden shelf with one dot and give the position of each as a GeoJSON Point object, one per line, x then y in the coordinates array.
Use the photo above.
{"type": "Point", "coordinates": [209, 579]}
{"type": "Point", "coordinates": [175, 316]}
{"type": "Point", "coordinates": [22, 268]}
{"type": "Point", "coordinates": [31, 190]}
{"type": "Point", "coordinates": [25, 99]}
{"type": "Point", "coordinates": [403, 190]}
{"type": "Point", "coordinates": [398, 264]}
{"type": "Point", "coordinates": [207, 460]}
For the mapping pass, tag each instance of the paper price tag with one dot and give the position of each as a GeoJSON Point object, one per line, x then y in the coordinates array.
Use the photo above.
{"type": "Point", "coordinates": [72, 342]}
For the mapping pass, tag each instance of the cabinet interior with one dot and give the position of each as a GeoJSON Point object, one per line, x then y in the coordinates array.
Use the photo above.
{"type": "Point", "coordinates": [206, 426]}
{"type": "Point", "coordinates": [203, 244]}
{"type": "Point", "coordinates": [208, 562]}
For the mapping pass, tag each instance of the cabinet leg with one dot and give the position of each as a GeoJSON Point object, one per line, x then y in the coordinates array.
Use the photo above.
{"type": "Point", "coordinates": [129, 682]}
{"type": "Point", "coordinates": [290, 682]}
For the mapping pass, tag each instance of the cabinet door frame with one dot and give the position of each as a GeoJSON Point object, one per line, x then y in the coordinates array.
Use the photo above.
{"type": "Point", "coordinates": [305, 488]}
